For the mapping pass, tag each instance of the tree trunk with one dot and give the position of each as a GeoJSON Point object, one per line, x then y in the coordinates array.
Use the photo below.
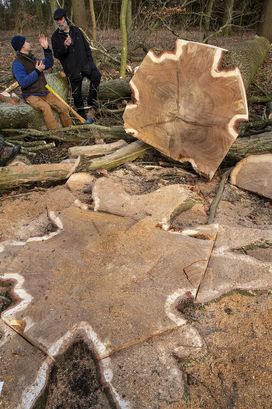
{"type": "Point", "coordinates": [129, 15]}
{"type": "Point", "coordinates": [93, 18]}
{"type": "Point", "coordinates": [253, 145]}
{"type": "Point", "coordinates": [248, 56]}
{"type": "Point", "coordinates": [208, 15]}
{"type": "Point", "coordinates": [265, 27]}
{"type": "Point", "coordinates": [227, 18]}
{"type": "Point", "coordinates": [96, 150]}
{"type": "Point", "coordinates": [80, 14]}
{"type": "Point", "coordinates": [15, 176]}
{"type": "Point", "coordinates": [24, 116]}
{"type": "Point", "coordinates": [123, 26]}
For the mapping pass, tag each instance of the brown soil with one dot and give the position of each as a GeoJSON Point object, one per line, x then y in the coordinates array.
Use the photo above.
{"type": "Point", "coordinates": [236, 370]}
{"type": "Point", "coordinates": [74, 382]}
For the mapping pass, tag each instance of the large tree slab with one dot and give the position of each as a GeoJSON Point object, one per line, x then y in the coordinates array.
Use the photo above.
{"type": "Point", "coordinates": [254, 174]}
{"type": "Point", "coordinates": [187, 106]}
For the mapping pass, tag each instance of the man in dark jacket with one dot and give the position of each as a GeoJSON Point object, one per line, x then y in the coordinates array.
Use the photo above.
{"type": "Point", "coordinates": [28, 71]}
{"type": "Point", "coordinates": [72, 49]}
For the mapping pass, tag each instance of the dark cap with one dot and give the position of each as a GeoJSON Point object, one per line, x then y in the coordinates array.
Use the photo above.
{"type": "Point", "coordinates": [17, 42]}
{"type": "Point", "coordinates": [59, 13]}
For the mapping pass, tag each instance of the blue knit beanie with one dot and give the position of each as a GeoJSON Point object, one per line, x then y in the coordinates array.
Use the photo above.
{"type": "Point", "coordinates": [17, 42]}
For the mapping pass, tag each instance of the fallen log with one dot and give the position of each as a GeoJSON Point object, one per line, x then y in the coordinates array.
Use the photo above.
{"type": "Point", "coordinates": [123, 155]}
{"type": "Point", "coordinates": [95, 150]}
{"type": "Point", "coordinates": [12, 177]}
{"type": "Point", "coordinates": [248, 56]}
{"type": "Point", "coordinates": [70, 134]}
{"type": "Point", "coordinates": [259, 99]}
{"type": "Point", "coordinates": [15, 176]}
{"type": "Point", "coordinates": [254, 174]}
{"type": "Point", "coordinates": [24, 116]}
{"type": "Point", "coordinates": [53, 173]}
{"type": "Point", "coordinates": [253, 145]}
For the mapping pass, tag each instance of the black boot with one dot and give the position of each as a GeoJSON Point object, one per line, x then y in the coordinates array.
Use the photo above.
{"type": "Point", "coordinates": [7, 153]}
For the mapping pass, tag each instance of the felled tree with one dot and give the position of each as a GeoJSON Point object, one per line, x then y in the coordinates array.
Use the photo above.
{"type": "Point", "coordinates": [187, 105]}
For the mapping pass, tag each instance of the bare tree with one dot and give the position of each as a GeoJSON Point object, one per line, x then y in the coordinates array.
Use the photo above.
{"type": "Point", "coordinates": [228, 14]}
{"type": "Point", "coordinates": [93, 18]}
{"type": "Point", "coordinates": [265, 28]}
{"type": "Point", "coordinates": [80, 14]}
{"type": "Point", "coordinates": [123, 26]}
{"type": "Point", "coordinates": [129, 15]}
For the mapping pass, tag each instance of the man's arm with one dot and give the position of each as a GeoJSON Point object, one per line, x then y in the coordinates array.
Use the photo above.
{"type": "Point", "coordinates": [48, 56]}
{"type": "Point", "coordinates": [59, 49]}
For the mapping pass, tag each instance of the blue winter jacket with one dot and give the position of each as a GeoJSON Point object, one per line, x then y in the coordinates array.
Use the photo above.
{"type": "Point", "coordinates": [31, 80]}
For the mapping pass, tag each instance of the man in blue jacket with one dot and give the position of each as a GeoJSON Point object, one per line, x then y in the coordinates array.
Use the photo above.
{"type": "Point", "coordinates": [72, 49]}
{"type": "Point", "coordinates": [29, 72]}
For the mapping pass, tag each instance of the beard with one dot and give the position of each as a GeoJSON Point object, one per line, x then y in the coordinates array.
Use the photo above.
{"type": "Point", "coordinates": [63, 27]}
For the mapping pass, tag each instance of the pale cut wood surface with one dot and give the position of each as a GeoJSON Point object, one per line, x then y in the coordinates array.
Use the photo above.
{"type": "Point", "coordinates": [186, 106]}
{"type": "Point", "coordinates": [254, 174]}
{"type": "Point", "coordinates": [95, 150]}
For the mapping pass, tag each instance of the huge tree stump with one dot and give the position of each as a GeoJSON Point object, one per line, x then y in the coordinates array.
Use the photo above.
{"type": "Point", "coordinates": [187, 105]}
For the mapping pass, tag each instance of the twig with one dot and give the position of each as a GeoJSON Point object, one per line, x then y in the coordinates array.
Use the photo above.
{"type": "Point", "coordinates": [29, 340]}
{"type": "Point", "coordinates": [217, 198]}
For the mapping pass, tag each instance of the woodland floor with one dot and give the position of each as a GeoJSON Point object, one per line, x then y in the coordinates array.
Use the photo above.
{"type": "Point", "coordinates": [236, 371]}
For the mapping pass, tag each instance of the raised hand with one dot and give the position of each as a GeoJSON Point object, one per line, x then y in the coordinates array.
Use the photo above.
{"type": "Point", "coordinates": [40, 65]}
{"type": "Point", "coordinates": [43, 41]}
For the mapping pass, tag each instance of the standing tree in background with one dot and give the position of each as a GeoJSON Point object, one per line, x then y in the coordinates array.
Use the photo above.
{"type": "Point", "coordinates": [129, 15]}
{"type": "Point", "coordinates": [53, 6]}
{"type": "Point", "coordinates": [79, 14]}
{"type": "Point", "coordinates": [92, 12]}
{"type": "Point", "coordinates": [265, 28]}
{"type": "Point", "coordinates": [228, 15]}
{"type": "Point", "coordinates": [208, 15]}
{"type": "Point", "coordinates": [123, 26]}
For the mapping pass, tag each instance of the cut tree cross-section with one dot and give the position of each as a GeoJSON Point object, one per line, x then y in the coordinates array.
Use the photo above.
{"type": "Point", "coordinates": [186, 105]}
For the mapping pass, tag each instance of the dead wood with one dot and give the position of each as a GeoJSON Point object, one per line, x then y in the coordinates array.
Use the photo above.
{"type": "Point", "coordinates": [15, 176]}
{"type": "Point", "coordinates": [70, 134]}
{"type": "Point", "coordinates": [253, 145]}
{"type": "Point", "coordinates": [254, 174]}
{"type": "Point", "coordinates": [254, 127]}
{"type": "Point", "coordinates": [261, 99]}
{"type": "Point", "coordinates": [248, 56]}
{"type": "Point", "coordinates": [96, 150]}
{"type": "Point", "coordinates": [218, 196]}
{"type": "Point", "coordinates": [123, 155]}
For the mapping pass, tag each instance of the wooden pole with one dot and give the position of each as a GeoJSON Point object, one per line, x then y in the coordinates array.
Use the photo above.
{"type": "Point", "coordinates": [82, 120]}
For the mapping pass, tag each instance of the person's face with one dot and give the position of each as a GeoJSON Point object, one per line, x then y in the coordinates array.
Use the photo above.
{"type": "Point", "coordinates": [61, 23]}
{"type": "Point", "coordinates": [26, 47]}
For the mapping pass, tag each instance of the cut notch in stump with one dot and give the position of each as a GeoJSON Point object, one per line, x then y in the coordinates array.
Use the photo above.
{"type": "Point", "coordinates": [187, 106]}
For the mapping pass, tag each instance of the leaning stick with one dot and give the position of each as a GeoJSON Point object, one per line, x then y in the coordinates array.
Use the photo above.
{"type": "Point", "coordinates": [82, 120]}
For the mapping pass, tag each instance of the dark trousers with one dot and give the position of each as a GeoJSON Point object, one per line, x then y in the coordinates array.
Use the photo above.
{"type": "Point", "coordinates": [76, 84]}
